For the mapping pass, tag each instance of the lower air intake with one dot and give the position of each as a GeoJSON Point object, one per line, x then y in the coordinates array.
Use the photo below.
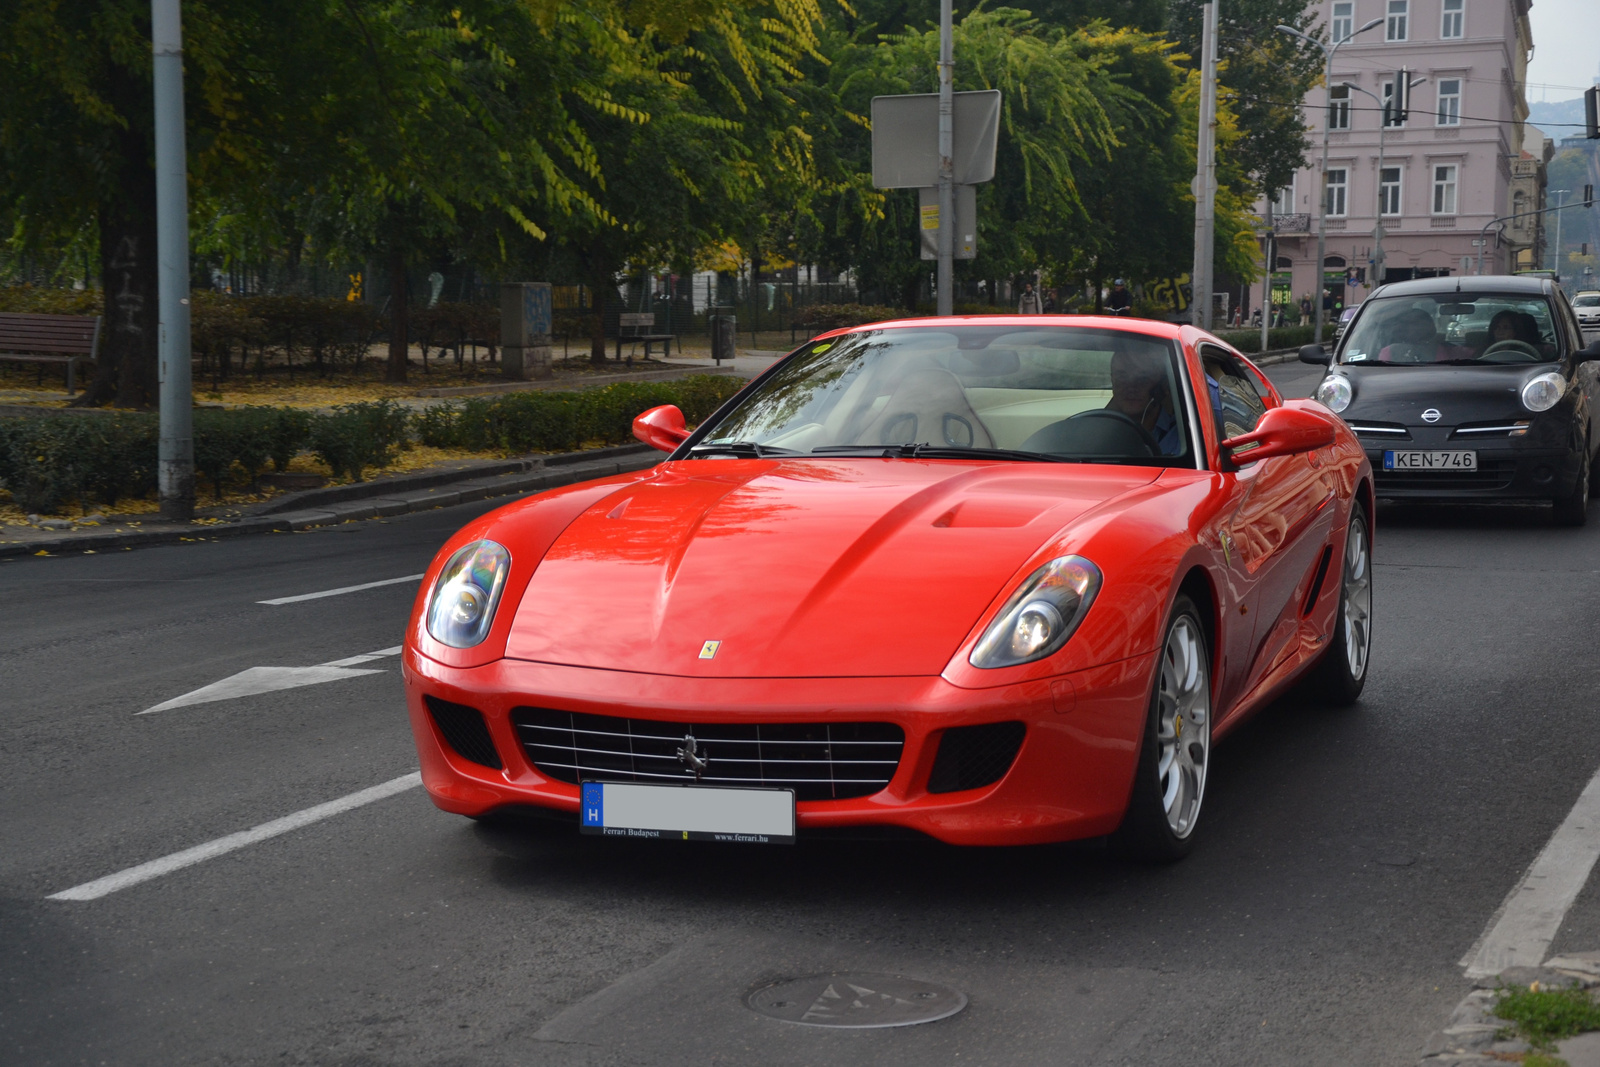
{"type": "Point", "coordinates": [464, 731]}
{"type": "Point", "coordinates": [819, 761]}
{"type": "Point", "coordinates": [971, 757]}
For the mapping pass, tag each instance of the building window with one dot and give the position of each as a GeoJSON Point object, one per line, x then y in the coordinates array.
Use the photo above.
{"type": "Point", "coordinates": [1519, 205]}
{"type": "Point", "coordinates": [1399, 15]}
{"type": "Point", "coordinates": [1338, 182]}
{"type": "Point", "coordinates": [1344, 19]}
{"type": "Point", "coordinates": [1450, 24]}
{"type": "Point", "coordinates": [1389, 191]}
{"type": "Point", "coordinates": [1449, 102]}
{"type": "Point", "coordinates": [1283, 203]}
{"type": "Point", "coordinates": [1387, 93]}
{"type": "Point", "coordinates": [1444, 189]}
{"type": "Point", "coordinates": [1339, 107]}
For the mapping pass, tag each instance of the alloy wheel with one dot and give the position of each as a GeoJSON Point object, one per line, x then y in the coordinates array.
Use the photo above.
{"type": "Point", "coordinates": [1357, 619]}
{"type": "Point", "coordinates": [1183, 725]}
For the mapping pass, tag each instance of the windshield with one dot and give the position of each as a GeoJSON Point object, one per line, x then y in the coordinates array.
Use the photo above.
{"type": "Point", "coordinates": [1477, 328]}
{"type": "Point", "coordinates": [1586, 300]}
{"type": "Point", "coordinates": [1013, 392]}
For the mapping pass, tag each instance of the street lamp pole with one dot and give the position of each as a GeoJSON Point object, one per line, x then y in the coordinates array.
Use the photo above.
{"type": "Point", "coordinates": [175, 456]}
{"type": "Point", "coordinates": [1327, 111]}
{"type": "Point", "coordinates": [945, 277]}
{"type": "Point", "coordinates": [1555, 258]}
{"type": "Point", "coordinates": [1383, 125]}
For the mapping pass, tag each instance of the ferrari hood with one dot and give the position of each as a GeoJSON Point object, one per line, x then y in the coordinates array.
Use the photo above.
{"type": "Point", "coordinates": [797, 568]}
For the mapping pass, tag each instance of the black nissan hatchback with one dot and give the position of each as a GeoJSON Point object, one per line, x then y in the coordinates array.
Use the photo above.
{"type": "Point", "coordinates": [1470, 389]}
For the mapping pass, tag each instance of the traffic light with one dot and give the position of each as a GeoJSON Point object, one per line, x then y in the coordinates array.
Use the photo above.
{"type": "Point", "coordinates": [1398, 107]}
{"type": "Point", "coordinates": [1591, 110]}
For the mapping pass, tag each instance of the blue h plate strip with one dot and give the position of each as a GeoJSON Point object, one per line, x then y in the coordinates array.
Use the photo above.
{"type": "Point", "coordinates": [594, 804]}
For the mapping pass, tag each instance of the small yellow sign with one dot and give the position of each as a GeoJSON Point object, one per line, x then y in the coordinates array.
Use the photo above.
{"type": "Point", "coordinates": [709, 649]}
{"type": "Point", "coordinates": [930, 217]}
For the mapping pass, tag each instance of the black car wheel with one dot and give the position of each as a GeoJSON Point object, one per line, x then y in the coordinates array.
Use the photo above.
{"type": "Point", "coordinates": [1573, 509]}
{"type": "Point", "coordinates": [1170, 781]}
{"type": "Point", "coordinates": [1339, 676]}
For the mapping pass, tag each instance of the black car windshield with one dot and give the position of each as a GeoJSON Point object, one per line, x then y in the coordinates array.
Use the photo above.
{"type": "Point", "coordinates": [1054, 393]}
{"type": "Point", "coordinates": [1453, 328]}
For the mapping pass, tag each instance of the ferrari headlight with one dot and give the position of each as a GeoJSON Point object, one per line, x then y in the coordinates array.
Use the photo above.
{"type": "Point", "coordinates": [1542, 393]}
{"type": "Point", "coordinates": [1040, 615]}
{"type": "Point", "coordinates": [1335, 392]}
{"type": "Point", "coordinates": [466, 594]}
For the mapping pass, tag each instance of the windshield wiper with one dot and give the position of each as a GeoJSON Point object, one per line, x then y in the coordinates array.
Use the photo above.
{"type": "Point", "coordinates": [745, 448]}
{"type": "Point", "coordinates": [926, 450]}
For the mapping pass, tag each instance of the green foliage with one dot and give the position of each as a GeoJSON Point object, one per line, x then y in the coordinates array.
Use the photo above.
{"type": "Point", "coordinates": [1281, 337]}
{"type": "Point", "coordinates": [358, 436]}
{"type": "Point", "coordinates": [46, 300]}
{"type": "Point", "coordinates": [245, 436]}
{"type": "Point", "coordinates": [288, 431]}
{"type": "Point", "coordinates": [824, 317]}
{"type": "Point", "coordinates": [50, 460]}
{"type": "Point", "coordinates": [556, 422]}
{"type": "Point", "coordinates": [1544, 1016]}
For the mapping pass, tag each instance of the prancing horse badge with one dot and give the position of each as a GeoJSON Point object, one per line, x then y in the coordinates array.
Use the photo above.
{"type": "Point", "coordinates": [709, 649]}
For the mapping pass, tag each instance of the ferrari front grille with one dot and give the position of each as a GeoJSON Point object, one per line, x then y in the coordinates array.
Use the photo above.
{"type": "Point", "coordinates": [819, 761]}
{"type": "Point", "coordinates": [971, 757]}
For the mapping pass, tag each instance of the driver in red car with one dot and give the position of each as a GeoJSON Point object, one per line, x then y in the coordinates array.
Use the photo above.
{"type": "Point", "coordinates": [1139, 391]}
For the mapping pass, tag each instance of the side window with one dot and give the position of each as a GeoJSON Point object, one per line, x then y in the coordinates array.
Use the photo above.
{"type": "Point", "coordinates": [1235, 400]}
{"type": "Point", "coordinates": [1573, 339]}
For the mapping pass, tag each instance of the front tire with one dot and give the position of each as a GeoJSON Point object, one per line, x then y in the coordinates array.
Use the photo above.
{"type": "Point", "coordinates": [1341, 674]}
{"type": "Point", "coordinates": [1170, 781]}
{"type": "Point", "coordinates": [1573, 509]}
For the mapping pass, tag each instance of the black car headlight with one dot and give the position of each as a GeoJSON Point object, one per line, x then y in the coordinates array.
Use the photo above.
{"type": "Point", "coordinates": [1040, 615]}
{"type": "Point", "coordinates": [461, 608]}
{"type": "Point", "coordinates": [1335, 393]}
{"type": "Point", "coordinates": [1544, 391]}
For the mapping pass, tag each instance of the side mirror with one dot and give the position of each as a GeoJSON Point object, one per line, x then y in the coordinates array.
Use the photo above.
{"type": "Point", "coordinates": [1314, 354]}
{"type": "Point", "coordinates": [661, 428]}
{"type": "Point", "coordinates": [1282, 431]}
{"type": "Point", "coordinates": [1590, 354]}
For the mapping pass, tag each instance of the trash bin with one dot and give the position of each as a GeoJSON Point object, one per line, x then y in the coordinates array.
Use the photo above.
{"type": "Point", "coordinates": [724, 325]}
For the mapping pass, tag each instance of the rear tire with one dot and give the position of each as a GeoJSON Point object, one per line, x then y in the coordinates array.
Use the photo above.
{"type": "Point", "coordinates": [1341, 673]}
{"type": "Point", "coordinates": [1170, 781]}
{"type": "Point", "coordinates": [1573, 509]}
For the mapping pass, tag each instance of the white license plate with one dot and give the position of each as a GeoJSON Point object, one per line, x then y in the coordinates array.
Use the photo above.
{"type": "Point", "coordinates": [1430, 461]}
{"type": "Point", "coordinates": [688, 813]}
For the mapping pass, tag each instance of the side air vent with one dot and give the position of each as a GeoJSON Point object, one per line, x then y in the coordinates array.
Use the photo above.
{"type": "Point", "coordinates": [971, 757]}
{"type": "Point", "coordinates": [464, 731]}
{"type": "Point", "coordinates": [1316, 583]}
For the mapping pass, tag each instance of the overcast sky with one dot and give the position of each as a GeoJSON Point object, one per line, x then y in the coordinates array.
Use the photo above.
{"type": "Point", "coordinates": [1566, 48]}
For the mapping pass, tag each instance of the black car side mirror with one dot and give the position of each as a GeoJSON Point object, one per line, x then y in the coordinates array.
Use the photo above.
{"type": "Point", "coordinates": [1590, 354]}
{"type": "Point", "coordinates": [1314, 354]}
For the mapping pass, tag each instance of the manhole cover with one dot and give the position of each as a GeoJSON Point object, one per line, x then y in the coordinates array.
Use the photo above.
{"type": "Point", "coordinates": [856, 1001]}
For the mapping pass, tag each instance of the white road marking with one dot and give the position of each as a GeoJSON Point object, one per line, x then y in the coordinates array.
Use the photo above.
{"type": "Point", "coordinates": [341, 591]}
{"type": "Point", "coordinates": [272, 679]}
{"type": "Point", "coordinates": [1520, 933]}
{"type": "Point", "coordinates": [223, 845]}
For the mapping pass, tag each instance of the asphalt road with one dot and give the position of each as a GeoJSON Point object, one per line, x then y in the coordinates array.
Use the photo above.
{"type": "Point", "coordinates": [1350, 857]}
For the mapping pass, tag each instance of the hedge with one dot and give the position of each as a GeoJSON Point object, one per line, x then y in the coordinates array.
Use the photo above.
{"type": "Point", "coordinates": [1282, 337]}
{"type": "Point", "coordinates": [93, 457]}
{"type": "Point", "coordinates": [559, 422]}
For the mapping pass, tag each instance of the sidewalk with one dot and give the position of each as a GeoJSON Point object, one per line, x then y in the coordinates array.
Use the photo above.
{"type": "Point", "coordinates": [382, 497]}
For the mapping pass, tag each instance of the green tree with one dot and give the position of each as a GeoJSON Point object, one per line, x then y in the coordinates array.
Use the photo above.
{"type": "Point", "coordinates": [1267, 74]}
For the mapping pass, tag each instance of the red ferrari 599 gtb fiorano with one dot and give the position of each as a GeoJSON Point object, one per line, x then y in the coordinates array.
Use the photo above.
{"type": "Point", "coordinates": [999, 580]}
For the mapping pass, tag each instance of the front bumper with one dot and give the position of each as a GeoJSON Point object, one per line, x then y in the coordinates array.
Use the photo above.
{"type": "Point", "coordinates": [1070, 779]}
{"type": "Point", "coordinates": [1508, 469]}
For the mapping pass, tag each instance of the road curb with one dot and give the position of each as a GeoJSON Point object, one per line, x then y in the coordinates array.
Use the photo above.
{"type": "Point", "coordinates": [1472, 1035]}
{"type": "Point", "coordinates": [578, 385]}
{"type": "Point", "coordinates": [383, 499]}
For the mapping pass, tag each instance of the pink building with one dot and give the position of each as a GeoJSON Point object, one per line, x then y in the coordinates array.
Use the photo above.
{"type": "Point", "coordinates": [1453, 165]}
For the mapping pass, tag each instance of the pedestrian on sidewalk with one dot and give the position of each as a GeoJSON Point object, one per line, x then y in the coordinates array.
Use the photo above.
{"type": "Point", "coordinates": [1028, 303]}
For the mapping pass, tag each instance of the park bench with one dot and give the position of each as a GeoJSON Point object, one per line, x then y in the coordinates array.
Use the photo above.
{"type": "Point", "coordinates": [642, 324]}
{"type": "Point", "coordinates": [42, 339]}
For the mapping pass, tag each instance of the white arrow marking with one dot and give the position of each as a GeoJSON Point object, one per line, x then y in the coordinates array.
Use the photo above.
{"type": "Point", "coordinates": [272, 679]}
